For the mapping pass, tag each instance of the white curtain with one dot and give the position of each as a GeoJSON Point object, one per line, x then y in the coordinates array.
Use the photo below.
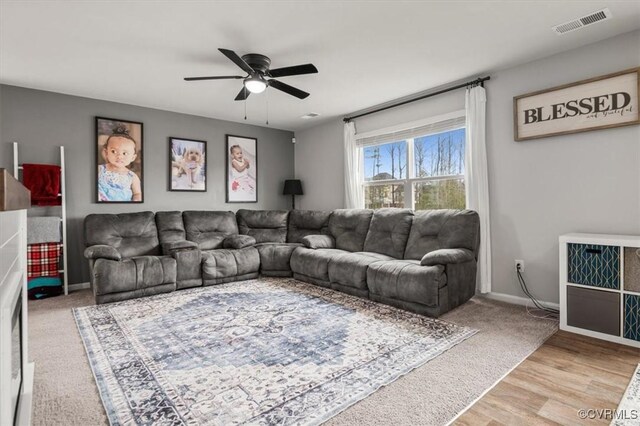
{"type": "Point", "coordinates": [477, 180]}
{"type": "Point", "coordinates": [353, 189]}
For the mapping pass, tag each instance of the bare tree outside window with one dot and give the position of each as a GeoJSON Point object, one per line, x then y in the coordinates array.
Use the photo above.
{"type": "Point", "coordinates": [386, 162]}
{"type": "Point", "coordinates": [437, 179]}
{"type": "Point", "coordinates": [435, 156]}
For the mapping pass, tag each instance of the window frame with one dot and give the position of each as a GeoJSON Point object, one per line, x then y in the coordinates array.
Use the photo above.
{"type": "Point", "coordinates": [410, 181]}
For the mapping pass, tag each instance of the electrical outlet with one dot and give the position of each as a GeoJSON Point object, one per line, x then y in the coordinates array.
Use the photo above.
{"type": "Point", "coordinates": [520, 265]}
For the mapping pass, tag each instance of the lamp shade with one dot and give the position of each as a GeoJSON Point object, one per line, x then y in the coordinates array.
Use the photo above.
{"type": "Point", "coordinates": [292, 187]}
{"type": "Point", "coordinates": [255, 84]}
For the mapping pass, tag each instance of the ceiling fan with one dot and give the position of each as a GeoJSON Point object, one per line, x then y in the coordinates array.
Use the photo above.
{"type": "Point", "coordinates": [259, 76]}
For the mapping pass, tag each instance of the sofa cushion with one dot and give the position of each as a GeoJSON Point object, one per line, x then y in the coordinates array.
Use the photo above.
{"type": "Point", "coordinates": [224, 263]}
{"type": "Point", "coordinates": [319, 241]}
{"type": "Point", "coordinates": [209, 228]}
{"type": "Point", "coordinates": [276, 256]}
{"type": "Point", "coordinates": [307, 222]}
{"type": "Point", "coordinates": [132, 234]}
{"type": "Point", "coordinates": [447, 256]}
{"type": "Point", "coordinates": [314, 263]}
{"type": "Point", "coordinates": [136, 273]}
{"type": "Point", "coordinates": [349, 228]}
{"type": "Point", "coordinates": [388, 232]}
{"type": "Point", "coordinates": [350, 269]}
{"type": "Point", "coordinates": [238, 241]}
{"type": "Point", "coordinates": [170, 227]}
{"type": "Point", "coordinates": [263, 225]}
{"type": "Point", "coordinates": [437, 229]}
{"type": "Point", "coordinates": [406, 280]}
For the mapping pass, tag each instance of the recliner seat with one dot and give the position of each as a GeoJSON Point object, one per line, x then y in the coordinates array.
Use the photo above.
{"type": "Point", "coordinates": [415, 284]}
{"type": "Point", "coordinates": [125, 257]}
{"type": "Point", "coordinates": [348, 228]}
{"type": "Point", "coordinates": [210, 229]}
{"type": "Point", "coordinates": [278, 234]}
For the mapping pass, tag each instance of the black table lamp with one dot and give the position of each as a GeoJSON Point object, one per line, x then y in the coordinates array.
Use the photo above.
{"type": "Point", "coordinates": [292, 187]}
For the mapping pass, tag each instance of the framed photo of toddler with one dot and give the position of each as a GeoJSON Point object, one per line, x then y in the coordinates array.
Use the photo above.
{"type": "Point", "coordinates": [119, 161]}
{"type": "Point", "coordinates": [242, 169]}
{"type": "Point", "coordinates": [188, 168]}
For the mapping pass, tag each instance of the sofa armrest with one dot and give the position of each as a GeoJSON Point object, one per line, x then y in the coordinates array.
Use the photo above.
{"type": "Point", "coordinates": [319, 241]}
{"type": "Point", "coordinates": [101, 251]}
{"type": "Point", "coordinates": [238, 241]}
{"type": "Point", "coordinates": [169, 248]}
{"type": "Point", "coordinates": [447, 256]}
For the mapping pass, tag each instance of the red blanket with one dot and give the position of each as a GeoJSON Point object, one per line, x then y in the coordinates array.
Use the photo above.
{"type": "Point", "coordinates": [43, 180]}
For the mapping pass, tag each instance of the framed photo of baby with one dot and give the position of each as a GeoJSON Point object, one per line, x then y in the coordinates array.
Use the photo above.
{"type": "Point", "coordinates": [242, 169]}
{"type": "Point", "coordinates": [188, 165]}
{"type": "Point", "coordinates": [119, 161]}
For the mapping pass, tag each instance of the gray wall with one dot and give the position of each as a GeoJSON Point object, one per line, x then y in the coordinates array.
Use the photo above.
{"type": "Point", "coordinates": [319, 164]}
{"type": "Point", "coordinates": [543, 188]}
{"type": "Point", "coordinates": [540, 189]}
{"type": "Point", "coordinates": [41, 121]}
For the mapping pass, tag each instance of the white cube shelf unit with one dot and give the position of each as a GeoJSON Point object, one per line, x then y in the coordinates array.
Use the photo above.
{"type": "Point", "coordinates": [599, 291]}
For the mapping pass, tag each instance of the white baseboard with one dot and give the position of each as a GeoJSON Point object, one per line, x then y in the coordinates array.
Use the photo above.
{"type": "Point", "coordinates": [517, 300]}
{"type": "Point", "coordinates": [79, 286]}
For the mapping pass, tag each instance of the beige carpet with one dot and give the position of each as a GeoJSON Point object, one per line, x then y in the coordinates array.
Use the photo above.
{"type": "Point", "coordinates": [65, 392]}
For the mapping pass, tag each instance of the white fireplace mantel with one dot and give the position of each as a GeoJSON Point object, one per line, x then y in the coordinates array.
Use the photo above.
{"type": "Point", "coordinates": [14, 200]}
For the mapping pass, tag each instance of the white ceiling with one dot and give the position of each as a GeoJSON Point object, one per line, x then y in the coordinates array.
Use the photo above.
{"type": "Point", "coordinates": [367, 52]}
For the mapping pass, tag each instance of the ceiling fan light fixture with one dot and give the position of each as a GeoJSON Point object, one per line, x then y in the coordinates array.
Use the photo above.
{"type": "Point", "coordinates": [256, 67]}
{"type": "Point", "coordinates": [255, 84]}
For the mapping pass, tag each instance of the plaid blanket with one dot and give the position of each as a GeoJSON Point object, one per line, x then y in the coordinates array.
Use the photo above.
{"type": "Point", "coordinates": [43, 259]}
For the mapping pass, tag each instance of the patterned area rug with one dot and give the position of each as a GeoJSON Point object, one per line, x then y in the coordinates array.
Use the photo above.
{"type": "Point", "coordinates": [267, 351]}
{"type": "Point", "coordinates": [629, 408]}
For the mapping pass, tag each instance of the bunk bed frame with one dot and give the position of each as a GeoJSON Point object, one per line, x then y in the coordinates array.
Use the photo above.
{"type": "Point", "coordinates": [63, 207]}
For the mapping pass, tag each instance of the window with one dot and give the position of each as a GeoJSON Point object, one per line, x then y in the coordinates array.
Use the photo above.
{"type": "Point", "coordinates": [420, 168]}
{"type": "Point", "coordinates": [385, 169]}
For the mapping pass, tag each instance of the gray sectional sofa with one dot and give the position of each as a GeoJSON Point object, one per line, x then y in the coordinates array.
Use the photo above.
{"type": "Point", "coordinates": [424, 261]}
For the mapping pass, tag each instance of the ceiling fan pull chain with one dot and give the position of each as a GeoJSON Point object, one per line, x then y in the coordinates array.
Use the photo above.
{"type": "Point", "coordinates": [245, 108]}
{"type": "Point", "coordinates": [267, 94]}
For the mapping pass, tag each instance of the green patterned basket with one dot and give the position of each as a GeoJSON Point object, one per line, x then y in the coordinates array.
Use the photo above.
{"type": "Point", "coordinates": [594, 265]}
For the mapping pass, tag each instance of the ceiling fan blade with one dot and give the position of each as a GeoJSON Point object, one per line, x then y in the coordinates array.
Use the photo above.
{"type": "Point", "coordinates": [220, 77]}
{"type": "Point", "coordinates": [244, 94]}
{"type": "Point", "coordinates": [237, 60]}
{"type": "Point", "coordinates": [295, 70]}
{"type": "Point", "coordinates": [288, 89]}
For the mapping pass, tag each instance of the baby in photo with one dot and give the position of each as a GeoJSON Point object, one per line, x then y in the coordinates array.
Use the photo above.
{"type": "Point", "coordinates": [115, 181]}
{"type": "Point", "coordinates": [241, 179]}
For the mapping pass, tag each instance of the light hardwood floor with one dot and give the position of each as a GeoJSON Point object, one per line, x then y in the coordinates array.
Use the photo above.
{"type": "Point", "coordinates": [568, 373]}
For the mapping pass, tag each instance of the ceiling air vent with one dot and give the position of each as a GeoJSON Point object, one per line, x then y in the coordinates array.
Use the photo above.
{"type": "Point", "coordinates": [310, 115]}
{"type": "Point", "coordinates": [576, 24]}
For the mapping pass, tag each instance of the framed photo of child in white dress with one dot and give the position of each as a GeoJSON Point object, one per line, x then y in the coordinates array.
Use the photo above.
{"type": "Point", "coordinates": [242, 169]}
{"type": "Point", "coordinates": [119, 161]}
{"type": "Point", "coordinates": [188, 168]}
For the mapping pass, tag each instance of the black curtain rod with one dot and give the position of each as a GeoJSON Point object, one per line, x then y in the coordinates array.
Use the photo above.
{"type": "Point", "coordinates": [475, 82]}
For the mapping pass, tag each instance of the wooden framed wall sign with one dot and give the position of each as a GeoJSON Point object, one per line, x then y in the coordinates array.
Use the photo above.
{"type": "Point", "coordinates": [598, 103]}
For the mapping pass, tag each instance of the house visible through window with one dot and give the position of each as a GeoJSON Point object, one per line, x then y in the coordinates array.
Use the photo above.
{"type": "Point", "coordinates": [420, 168]}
